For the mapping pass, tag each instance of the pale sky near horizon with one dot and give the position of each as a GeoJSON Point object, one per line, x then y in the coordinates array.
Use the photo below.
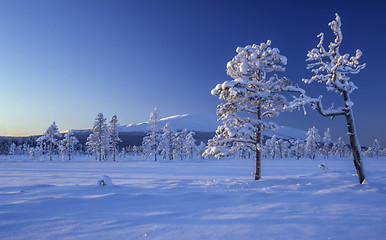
{"type": "Point", "coordinates": [66, 61]}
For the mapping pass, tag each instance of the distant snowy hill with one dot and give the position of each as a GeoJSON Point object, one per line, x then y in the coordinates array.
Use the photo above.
{"type": "Point", "coordinates": [191, 122]}
{"type": "Point", "coordinates": [206, 123]}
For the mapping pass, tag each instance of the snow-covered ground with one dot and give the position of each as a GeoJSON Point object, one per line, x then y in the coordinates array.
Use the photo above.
{"type": "Point", "coordinates": [194, 199]}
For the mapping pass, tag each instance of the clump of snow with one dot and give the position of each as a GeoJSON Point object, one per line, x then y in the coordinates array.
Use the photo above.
{"type": "Point", "coordinates": [104, 181]}
{"type": "Point", "coordinates": [323, 167]}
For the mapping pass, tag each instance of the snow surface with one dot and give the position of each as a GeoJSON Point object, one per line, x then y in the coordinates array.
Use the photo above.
{"type": "Point", "coordinates": [195, 199]}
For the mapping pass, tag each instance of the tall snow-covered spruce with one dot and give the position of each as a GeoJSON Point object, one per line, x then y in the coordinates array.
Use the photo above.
{"type": "Point", "coordinates": [68, 143]}
{"type": "Point", "coordinates": [151, 142]}
{"type": "Point", "coordinates": [50, 136]}
{"type": "Point", "coordinates": [99, 139]}
{"type": "Point", "coordinates": [114, 137]}
{"type": "Point", "coordinates": [332, 68]}
{"type": "Point", "coordinates": [249, 97]}
{"type": "Point", "coordinates": [167, 142]}
{"type": "Point", "coordinates": [312, 142]}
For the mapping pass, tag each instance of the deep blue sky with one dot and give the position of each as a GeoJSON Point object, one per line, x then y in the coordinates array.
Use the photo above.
{"type": "Point", "coordinates": [66, 61]}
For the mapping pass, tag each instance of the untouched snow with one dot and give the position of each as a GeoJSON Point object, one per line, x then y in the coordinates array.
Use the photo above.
{"type": "Point", "coordinates": [193, 199]}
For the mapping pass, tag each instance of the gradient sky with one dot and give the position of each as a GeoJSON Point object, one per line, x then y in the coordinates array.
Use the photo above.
{"type": "Point", "coordinates": [66, 61]}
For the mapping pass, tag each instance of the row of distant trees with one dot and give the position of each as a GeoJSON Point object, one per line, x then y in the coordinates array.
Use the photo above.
{"type": "Point", "coordinates": [310, 147]}
{"type": "Point", "coordinates": [167, 143]}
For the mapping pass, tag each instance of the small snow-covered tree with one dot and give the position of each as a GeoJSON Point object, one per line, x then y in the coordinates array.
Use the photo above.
{"type": "Point", "coordinates": [285, 148]}
{"type": "Point", "coordinates": [180, 142]}
{"type": "Point", "coordinates": [279, 148]}
{"type": "Point", "coordinates": [201, 149]}
{"type": "Point", "coordinates": [151, 142]}
{"type": "Point", "coordinates": [114, 136]}
{"type": "Point", "coordinates": [92, 145]}
{"type": "Point", "coordinates": [12, 149]}
{"type": "Point", "coordinates": [273, 147]}
{"type": "Point", "coordinates": [332, 68]}
{"type": "Point", "coordinates": [167, 142]}
{"type": "Point", "coordinates": [249, 97]}
{"type": "Point", "coordinates": [270, 147]}
{"type": "Point", "coordinates": [99, 139]}
{"type": "Point", "coordinates": [190, 145]}
{"type": "Point", "coordinates": [50, 137]}
{"type": "Point", "coordinates": [338, 147]}
{"type": "Point", "coordinates": [297, 148]}
{"type": "Point", "coordinates": [312, 142]}
{"type": "Point", "coordinates": [377, 148]}
{"type": "Point", "coordinates": [69, 141]}
{"type": "Point", "coordinates": [326, 143]}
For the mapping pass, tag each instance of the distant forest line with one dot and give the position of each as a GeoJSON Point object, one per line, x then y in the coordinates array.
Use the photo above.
{"type": "Point", "coordinates": [128, 139]}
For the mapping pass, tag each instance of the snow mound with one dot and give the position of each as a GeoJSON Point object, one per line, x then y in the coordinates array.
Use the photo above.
{"type": "Point", "coordinates": [105, 181]}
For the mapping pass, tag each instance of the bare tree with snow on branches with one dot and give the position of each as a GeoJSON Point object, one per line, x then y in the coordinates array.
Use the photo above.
{"type": "Point", "coordinates": [332, 68]}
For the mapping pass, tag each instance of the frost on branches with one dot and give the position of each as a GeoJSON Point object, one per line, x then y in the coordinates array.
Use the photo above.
{"type": "Point", "coordinates": [249, 97]}
{"type": "Point", "coordinates": [333, 69]}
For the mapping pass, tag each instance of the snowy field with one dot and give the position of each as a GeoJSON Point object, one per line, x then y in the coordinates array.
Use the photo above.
{"type": "Point", "coordinates": [194, 199]}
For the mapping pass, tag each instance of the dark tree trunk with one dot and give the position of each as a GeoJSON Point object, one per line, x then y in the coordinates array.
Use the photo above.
{"type": "Point", "coordinates": [354, 142]}
{"type": "Point", "coordinates": [258, 144]}
{"type": "Point", "coordinates": [114, 147]}
{"type": "Point", "coordinates": [50, 150]}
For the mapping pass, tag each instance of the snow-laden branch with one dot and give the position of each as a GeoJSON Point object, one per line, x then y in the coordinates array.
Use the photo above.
{"type": "Point", "coordinates": [330, 66]}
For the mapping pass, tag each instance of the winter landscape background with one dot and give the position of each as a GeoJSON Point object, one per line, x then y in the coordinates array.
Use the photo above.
{"type": "Point", "coordinates": [118, 120]}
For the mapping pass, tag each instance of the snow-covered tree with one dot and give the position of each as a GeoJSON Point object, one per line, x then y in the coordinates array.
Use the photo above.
{"type": "Point", "coordinates": [338, 147]}
{"type": "Point", "coordinates": [50, 137]}
{"type": "Point", "coordinates": [201, 148]}
{"type": "Point", "coordinates": [92, 145]}
{"type": "Point", "coordinates": [269, 147]}
{"type": "Point", "coordinates": [180, 142]}
{"type": "Point", "coordinates": [332, 68]}
{"type": "Point", "coordinates": [249, 97]}
{"type": "Point", "coordinates": [190, 145]}
{"type": "Point", "coordinates": [312, 140]}
{"type": "Point", "coordinates": [326, 143]}
{"type": "Point", "coordinates": [285, 149]}
{"type": "Point", "coordinates": [297, 148]}
{"type": "Point", "coordinates": [114, 137]}
{"type": "Point", "coordinates": [12, 149]}
{"type": "Point", "coordinates": [279, 148]}
{"type": "Point", "coordinates": [151, 142]}
{"type": "Point", "coordinates": [167, 142]}
{"type": "Point", "coordinates": [377, 148]}
{"type": "Point", "coordinates": [99, 139]}
{"type": "Point", "coordinates": [68, 143]}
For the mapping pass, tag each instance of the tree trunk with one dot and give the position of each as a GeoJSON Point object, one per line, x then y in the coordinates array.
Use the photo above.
{"type": "Point", "coordinates": [51, 151]}
{"type": "Point", "coordinates": [114, 152]}
{"type": "Point", "coordinates": [354, 142]}
{"type": "Point", "coordinates": [258, 144]}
